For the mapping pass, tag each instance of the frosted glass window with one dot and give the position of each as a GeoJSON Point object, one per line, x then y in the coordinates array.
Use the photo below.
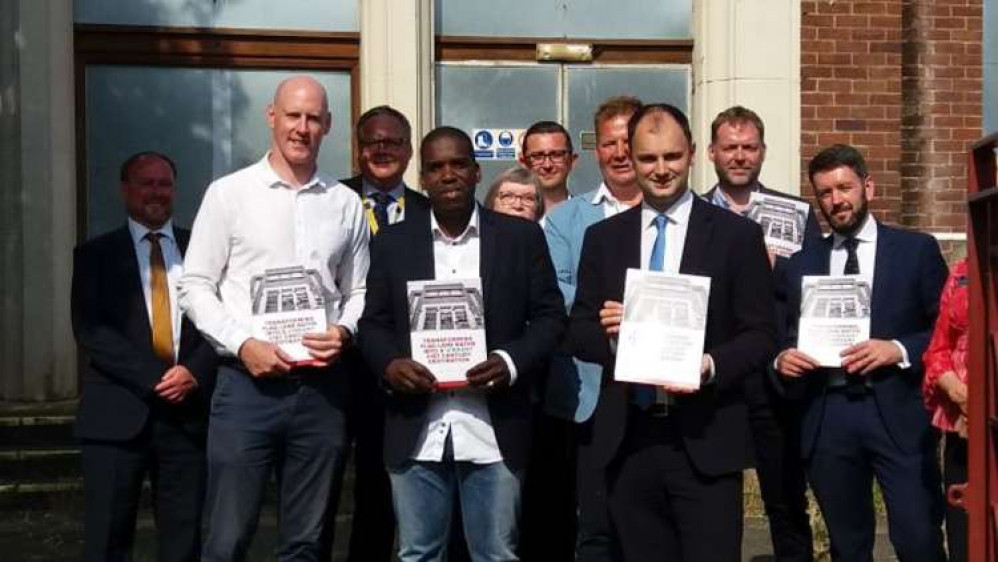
{"type": "Point", "coordinates": [495, 97]}
{"type": "Point", "coordinates": [209, 121]}
{"type": "Point", "coordinates": [312, 15]}
{"type": "Point", "coordinates": [597, 19]}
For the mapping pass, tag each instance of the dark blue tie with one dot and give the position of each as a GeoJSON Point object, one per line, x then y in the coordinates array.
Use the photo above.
{"type": "Point", "coordinates": [381, 203]}
{"type": "Point", "coordinates": [646, 395]}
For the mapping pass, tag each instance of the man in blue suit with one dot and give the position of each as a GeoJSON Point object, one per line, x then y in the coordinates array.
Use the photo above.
{"type": "Point", "coordinates": [573, 386]}
{"type": "Point", "coordinates": [866, 418]}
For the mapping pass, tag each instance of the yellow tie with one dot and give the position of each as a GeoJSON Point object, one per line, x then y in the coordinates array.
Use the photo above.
{"type": "Point", "coordinates": [162, 325]}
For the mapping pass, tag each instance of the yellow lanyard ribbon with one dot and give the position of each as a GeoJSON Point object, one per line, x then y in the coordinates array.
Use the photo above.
{"type": "Point", "coordinates": [372, 221]}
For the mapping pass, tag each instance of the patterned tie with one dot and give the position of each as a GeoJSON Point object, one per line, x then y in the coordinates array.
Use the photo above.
{"type": "Point", "coordinates": [852, 261]}
{"type": "Point", "coordinates": [645, 395]}
{"type": "Point", "coordinates": [381, 203]}
{"type": "Point", "coordinates": [162, 324]}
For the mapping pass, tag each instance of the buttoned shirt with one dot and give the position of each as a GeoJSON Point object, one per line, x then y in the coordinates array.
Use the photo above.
{"type": "Point", "coordinates": [396, 209]}
{"type": "Point", "coordinates": [461, 413]}
{"type": "Point", "coordinates": [174, 263]}
{"type": "Point", "coordinates": [611, 205]}
{"type": "Point", "coordinates": [866, 253]}
{"type": "Point", "coordinates": [251, 221]}
{"type": "Point", "coordinates": [677, 222]}
{"type": "Point", "coordinates": [718, 199]}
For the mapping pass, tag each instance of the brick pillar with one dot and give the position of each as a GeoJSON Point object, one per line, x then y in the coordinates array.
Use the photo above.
{"type": "Point", "coordinates": [941, 88]}
{"type": "Point", "coordinates": [851, 89]}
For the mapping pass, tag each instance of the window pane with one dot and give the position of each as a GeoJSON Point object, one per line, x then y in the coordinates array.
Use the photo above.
{"type": "Point", "coordinates": [314, 15]}
{"type": "Point", "coordinates": [597, 19]}
{"type": "Point", "coordinates": [209, 121]}
{"type": "Point", "coordinates": [588, 86]}
{"type": "Point", "coordinates": [495, 97]}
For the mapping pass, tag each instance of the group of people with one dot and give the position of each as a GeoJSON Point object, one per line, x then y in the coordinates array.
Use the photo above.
{"type": "Point", "coordinates": [542, 455]}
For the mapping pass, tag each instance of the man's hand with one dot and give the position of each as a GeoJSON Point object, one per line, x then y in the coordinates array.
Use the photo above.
{"type": "Point", "coordinates": [954, 389]}
{"type": "Point", "coordinates": [326, 346]}
{"type": "Point", "coordinates": [264, 359]}
{"type": "Point", "coordinates": [176, 384]}
{"type": "Point", "coordinates": [864, 357]}
{"type": "Point", "coordinates": [406, 375]}
{"type": "Point", "coordinates": [793, 363]}
{"type": "Point", "coordinates": [610, 317]}
{"type": "Point", "coordinates": [491, 373]}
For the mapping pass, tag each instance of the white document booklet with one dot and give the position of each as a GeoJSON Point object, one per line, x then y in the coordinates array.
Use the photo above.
{"type": "Point", "coordinates": [288, 302]}
{"type": "Point", "coordinates": [447, 325]}
{"type": "Point", "coordinates": [662, 333]}
{"type": "Point", "coordinates": [834, 314]}
{"type": "Point", "coordinates": [782, 220]}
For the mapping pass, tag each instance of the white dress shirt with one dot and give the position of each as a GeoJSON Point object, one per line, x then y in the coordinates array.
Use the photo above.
{"type": "Point", "coordinates": [677, 222]}
{"type": "Point", "coordinates": [462, 413]}
{"type": "Point", "coordinates": [611, 205]}
{"type": "Point", "coordinates": [396, 210]}
{"type": "Point", "coordinates": [866, 254]}
{"type": "Point", "coordinates": [174, 263]}
{"type": "Point", "coordinates": [251, 221]}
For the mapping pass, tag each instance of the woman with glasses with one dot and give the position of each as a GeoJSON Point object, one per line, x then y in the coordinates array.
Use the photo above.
{"type": "Point", "coordinates": [517, 192]}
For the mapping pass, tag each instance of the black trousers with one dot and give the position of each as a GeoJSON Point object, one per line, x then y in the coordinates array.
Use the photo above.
{"type": "Point", "coordinates": [548, 525]}
{"type": "Point", "coordinates": [775, 424]}
{"type": "Point", "coordinates": [662, 508]}
{"type": "Point", "coordinates": [955, 472]}
{"type": "Point", "coordinates": [113, 471]}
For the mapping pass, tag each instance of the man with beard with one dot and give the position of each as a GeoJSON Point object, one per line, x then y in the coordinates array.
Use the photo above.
{"type": "Point", "coordinates": [548, 152]}
{"type": "Point", "coordinates": [738, 150]}
{"type": "Point", "coordinates": [866, 420]}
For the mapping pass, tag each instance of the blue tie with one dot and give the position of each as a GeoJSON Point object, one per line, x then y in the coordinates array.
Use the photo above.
{"type": "Point", "coordinates": [657, 261]}
{"type": "Point", "coordinates": [644, 395]}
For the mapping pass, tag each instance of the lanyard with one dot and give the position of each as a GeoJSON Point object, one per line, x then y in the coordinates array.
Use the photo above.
{"type": "Point", "coordinates": [372, 222]}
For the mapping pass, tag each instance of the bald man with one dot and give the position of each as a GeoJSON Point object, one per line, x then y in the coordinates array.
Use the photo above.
{"type": "Point", "coordinates": [270, 413]}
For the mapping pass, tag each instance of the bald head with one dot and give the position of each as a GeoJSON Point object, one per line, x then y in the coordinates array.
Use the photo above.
{"type": "Point", "coordinates": [298, 119]}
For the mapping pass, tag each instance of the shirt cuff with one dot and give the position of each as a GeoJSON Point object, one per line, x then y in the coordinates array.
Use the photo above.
{"type": "Point", "coordinates": [904, 364]}
{"type": "Point", "coordinates": [510, 366]}
{"type": "Point", "coordinates": [711, 370]}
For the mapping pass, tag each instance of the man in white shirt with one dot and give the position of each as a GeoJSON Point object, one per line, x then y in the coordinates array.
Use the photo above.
{"type": "Point", "coordinates": [469, 443]}
{"type": "Point", "coordinates": [148, 374]}
{"type": "Point", "coordinates": [267, 412]}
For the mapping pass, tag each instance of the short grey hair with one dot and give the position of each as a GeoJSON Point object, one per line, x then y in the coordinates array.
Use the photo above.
{"type": "Point", "coordinates": [519, 175]}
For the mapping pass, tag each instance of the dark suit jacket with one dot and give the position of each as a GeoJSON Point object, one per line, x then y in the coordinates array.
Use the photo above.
{"type": "Point", "coordinates": [524, 316]}
{"type": "Point", "coordinates": [356, 183]}
{"type": "Point", "coordinates": [908, 277]}
{"type": "Point", "coordinates": [111, 325]}
{"type": "Point", "coordinates": [740, 330]}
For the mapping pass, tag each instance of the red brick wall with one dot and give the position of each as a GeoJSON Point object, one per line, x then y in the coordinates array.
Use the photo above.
{"type": "Point", "coordinates": [900, 80]}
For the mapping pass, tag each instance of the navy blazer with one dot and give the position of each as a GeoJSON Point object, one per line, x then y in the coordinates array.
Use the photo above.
{"type": "Point", "coordinates": [740, 330]}
{"type": "Point", "coordinates": [908, 278]}
{"type": "Point", "coordinates": [111, 325]}
{"type": "Point", "coordinates": [524, 316]}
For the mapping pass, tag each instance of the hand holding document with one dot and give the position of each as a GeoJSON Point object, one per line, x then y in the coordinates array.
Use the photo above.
{"type": "Point", "coordinates": [447, 325]}
{"type": "Point", "coordinates": [834, 315]}
{"type": "Point", "coordinates": [662, 334]}
{"type": "Point", "coordinates": [782, 220]}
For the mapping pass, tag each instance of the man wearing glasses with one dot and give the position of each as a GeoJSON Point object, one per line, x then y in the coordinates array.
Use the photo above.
{"type": "Point", "coordinates": [384, 151]}
{"type": "Point", "coordinates": [547, 152]}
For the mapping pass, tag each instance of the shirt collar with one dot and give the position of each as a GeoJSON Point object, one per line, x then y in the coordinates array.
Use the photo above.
{"type": "Point", "coordinates": [396, 193]}
{"type": "Point", "coordinates": [603, 194]}
{"type": "Point", "coordinates": [271, 179]}
{"type": "Point", "coordinates": [678, 213]}
{"type": "Point", "coordinates": [139, 231]}
{"type": "Point", "coordinates": [867, 233]}
{"type": "Point", "coordinates": [719, 200]}
{"type": "Point", "coordinates": [469, 231]}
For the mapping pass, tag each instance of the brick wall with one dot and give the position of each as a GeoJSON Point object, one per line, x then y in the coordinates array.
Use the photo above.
{"type": "Point", "coordinates": [900, 80]}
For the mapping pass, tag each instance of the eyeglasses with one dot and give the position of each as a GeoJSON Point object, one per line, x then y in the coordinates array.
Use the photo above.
{"type": "Point", "coordinates": [556, 157]}
{"type": "Point", "coordinates": [508, 198]}
{"type": "Point", "coordinates": [387, 143]}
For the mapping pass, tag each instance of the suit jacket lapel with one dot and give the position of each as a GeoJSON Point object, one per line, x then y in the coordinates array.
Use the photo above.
{"type": "Point", "coordinates": [486, 250]}
{"type": "Point", "coordinates": [421, 262]}
{"type": "Point", "coordinates": [882, 277]}
{"type": "Point", "coordinates": [697, 243]}
{"type": "Point", "coordinates": [127, 265]}
{"type": "Point", "coordinates": [628, 248]}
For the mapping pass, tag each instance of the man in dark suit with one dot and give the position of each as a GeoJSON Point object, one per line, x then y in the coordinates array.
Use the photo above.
{"type": "Point", "coordinates": [470, 443]}
{"type": "Point", "coordinates": [675, 457]}
{"type": "Point", "coordinates": [148, 374]}
{"type": "Point", "coordinates": [383, 140]}
{"type": "Point", "coordinates": [866, 419]}
{"type": "Point", "coordinates": [738, 150]}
